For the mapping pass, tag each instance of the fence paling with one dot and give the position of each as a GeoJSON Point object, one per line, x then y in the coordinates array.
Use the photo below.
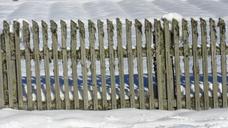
{"type": "Point", "coordinates": [213, 62]}
{"type": "Point", "coordinates": [65, 68]}
{"type": "Point", "coordinates": [92, 30]}
{"type": "Point", "coordinates": [148, 36]}
{"type": "Point", "coordinates": [83, 63]}
{"type": "Point", "coordinates": [157, 27]}
{"type": "Point", "coordinates": [185, 36]}
{"type": "Point", "coordinates": [205, 62]}
{"type": "Point", "coordinates": [46, 65]}
{"type": "Point", "coordinates": [175, 30]}
{"type": "Point", "coordinates": [102, 62]}
{"type": "Point", "coordinates": [74, 63]}
{"type": "Point", "coordinates": [2, 97]}
{"type": "Point", "coordinates": [120, 62]}
{"type": "Point", "coordinates": [130, 62]}
{"type": "Point", "coordinates": [222, 28]}
{"type": "Point", "coordinates": [16, 31]}
{"type": "Point", "coordinates": [56, 65]}
{"type": "Point", "coordinates": [168, 64]}
{"type": "Point", "coordinates": [195, 63]}
{"type": "Point", "coordinates": [110, 29]}
{"type": "Point", "coordinates": [138, 27]}
{"type": "Point", "coordinates": [35, 29]}
{"type": "Point", "coordinates": [26, 40]}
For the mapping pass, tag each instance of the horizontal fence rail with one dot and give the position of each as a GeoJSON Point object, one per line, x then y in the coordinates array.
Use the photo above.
{"type": "Point", "coordinates": [157, 64]}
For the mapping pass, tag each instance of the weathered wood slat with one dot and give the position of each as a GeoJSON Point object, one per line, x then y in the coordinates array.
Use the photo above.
{"type": "Point", "coordinates": [35, 31]}
{"type": "Point", "coordinates": [185, 36]}
{"type": "Point", "coordinates": [16, 30]}
{"type": "Point", "coordinates": [102, 62]}
{"type": "Point", "coordinates": [65, 67]}
{"type": "Point", "coordinates": [148, 36]}
{"type": "Point", "coordinates": [92, 38]}
{"type": "Point", "coordinates": [213, 62]}
{"type": "Point", "coordinates": [175, 30]}
{"type": "Point", "coordinates": [130, 62]}
{"type": "Point", "coordinates": [138, 31]}
{"type": "Point", "coordinates": [195, 63]}
{"type": "Point", "coordinates": [13, 69]}
{"type": "Point", "coordinates": [205, 62]}
{"type": "Point", "coordinates": [222, 29]}
{"type": "Point", "coordinates": [26, 41]}
{"type": "Point", "coordinates": [110, 29]}
{"type": "Point", "coordinates": [54, 29]}
{"type": "Point", "coordinates": [2, 97]}
{"type": "Point", "coordinates": [74, 28]}
{"type": "Point", "coordinates": [157, 27]}
{"type": "Point", "coordinates": [168, 63]}
{"type": "Point", "coordinates": [120, 62]}
{"type": "Point", "coordinates": [46, 64]}
{"type": "Point", "coordinates": [6, 31]}
{"type": "Point", "coordinates": [83, 63]}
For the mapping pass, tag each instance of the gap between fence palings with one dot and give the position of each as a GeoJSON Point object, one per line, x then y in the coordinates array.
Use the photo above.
{"type": "Point", "coordinates": [162, 55]}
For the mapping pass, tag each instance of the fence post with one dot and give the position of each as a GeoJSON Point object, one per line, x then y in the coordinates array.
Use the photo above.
{"type": "Point", "coordinates": [65, 67]}
{"type": "Point", "coordinates": [222, 28]}
{"type": "Point", "coordinates": [130, 62]}
{"type": "Point", "coordinates": [149, 54]}
{"type": "Point", "coordinates": [205, 61]}
{"type": "Point", "coordinates": [110, 28]}
{"type": "Point", "coordinates": [74, 28]}
{"type": "Point", "coordinates": [46, 64]}
{"type": "Point", "coordinates": [102, 62]}
{"type": "Point", "coordinates": [54, 29]}
{"type": "Point", "coordinates": [213, 61]}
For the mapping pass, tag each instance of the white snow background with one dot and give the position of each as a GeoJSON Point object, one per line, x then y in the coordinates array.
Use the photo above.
{"type": "Point", "coordinates": [102, 9]}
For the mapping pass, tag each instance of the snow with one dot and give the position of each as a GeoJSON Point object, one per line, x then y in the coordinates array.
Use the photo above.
{"type": "Point", "coordinates": [122, 118]}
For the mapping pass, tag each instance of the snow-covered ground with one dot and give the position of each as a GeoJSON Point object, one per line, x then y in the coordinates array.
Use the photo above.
{"type": "Point", "coordinates": [123, 118]}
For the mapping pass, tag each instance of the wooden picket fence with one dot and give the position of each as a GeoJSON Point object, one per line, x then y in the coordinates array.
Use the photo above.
{"type": "Point", "coordinates": [166, 42]}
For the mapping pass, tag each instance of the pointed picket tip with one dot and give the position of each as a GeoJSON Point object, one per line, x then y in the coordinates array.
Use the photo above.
{"type": "Point", "coordinates": [54, 26]}
{"type": "Point", "coordinates": [99, 21]}
{"type": "Point", "coordinates": [109, 25]}
{"type": "Point", "coordinates": [128, 22]}
{"type": "Point", "coordinates": [91, 23]}
{"type": "Point", "coordinates": [80, 24]}
{"type": "Point", "coordinates": [118, 22]}
{"type": "Point", "coordinates": [147, 23]}
{"type": "Point", "coordinates": [138, 24]}
{"type": "Point", "coordinates": [221, 22]}
{"type": "Point", "coordinates": [44, 24]}
{"type": "Point", "coordinates": [35, 26]}
{"type": "Point", "coordinates": [81, 28]}
{"type": "Point", "coordinates": [175, 21]}
{"type": "Point", "coordinates": [63, 23]}
{"type": "Point", "coordinates": [73, 26]}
